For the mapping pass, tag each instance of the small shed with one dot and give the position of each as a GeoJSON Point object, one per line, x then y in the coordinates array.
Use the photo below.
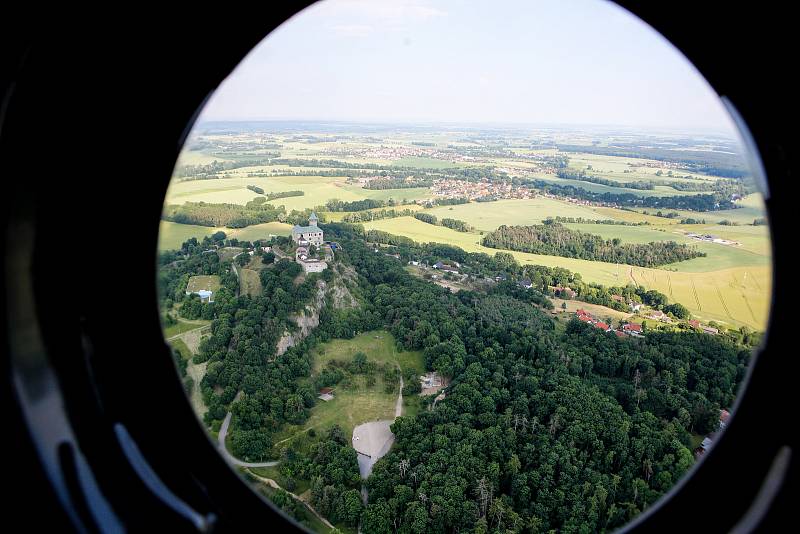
{"type": "Point", "coordinates": [326, 394]}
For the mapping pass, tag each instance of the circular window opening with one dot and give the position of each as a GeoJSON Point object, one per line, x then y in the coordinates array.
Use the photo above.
{"type": "Point", "coordinates": [427, 266]}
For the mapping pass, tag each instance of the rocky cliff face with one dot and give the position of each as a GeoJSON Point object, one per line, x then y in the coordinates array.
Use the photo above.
{"type": "Point", "coordinates": [306, 321]}
{"type": "Point", "coordinates": [336, 294]}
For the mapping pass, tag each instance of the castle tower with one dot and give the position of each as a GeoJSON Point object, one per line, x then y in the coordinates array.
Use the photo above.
{"type": "Point", "coordinates": [313, 219]}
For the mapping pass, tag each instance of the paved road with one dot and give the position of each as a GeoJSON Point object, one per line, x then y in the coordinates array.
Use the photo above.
{"type": "Point", "coordinates": [223, 431]}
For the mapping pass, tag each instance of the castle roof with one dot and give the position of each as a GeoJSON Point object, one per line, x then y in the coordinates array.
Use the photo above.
{"type": "Point", "coordinates": [304, 229]}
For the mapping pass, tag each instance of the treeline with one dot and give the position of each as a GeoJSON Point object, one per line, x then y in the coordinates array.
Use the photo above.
{"type": "Point", "coordinates": [210, 170]}
{"type": "Point", "coordinates": [354, 205]}
{"type": "Point", "coordinates": [557, 240]}
{"type": "Point", "coordinates": [284, 194]}
{"type": "Point", "coordinates": [706, 202]}
{"type": "Point", "coordinates": [454, 224]}
{"type": "Point", "coordinates": [257, 211]}
{"type": "Point", "coordinates": [714, 163]}
{"type": "Point", "coordinates": [580, 175]}
{"type": "Point", "coordinates": [397, 183]}
{"type": "Point", "coordinates": [452, 201]}
{"type": "Point", "coordinates": [581, 220]}
{"type": "Point", "coordinates": [375, 215]}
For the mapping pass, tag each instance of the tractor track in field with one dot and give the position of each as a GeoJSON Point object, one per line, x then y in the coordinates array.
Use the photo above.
{"type": "Point", "coordinates": [754, 279]}
{"type": "Point", "coordinates": [744, 297]}
{"type": "Point", "coordinates": [630, 273]}
{"type": "Point", "coordinates": [669, 284]}
{"type": "Point", "coordinates": [722, 300]}
{"type": "Point", "coordinates": [696, 298]}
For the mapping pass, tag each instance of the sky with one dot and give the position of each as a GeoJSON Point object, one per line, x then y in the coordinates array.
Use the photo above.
{"type": "Point", "coordinates": [567, 62]}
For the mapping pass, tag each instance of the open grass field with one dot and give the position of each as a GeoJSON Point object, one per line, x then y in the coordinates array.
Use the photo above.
{"type": "Point", "coordinates": [183, 326]}
{"type": "Point", "coordinates": [426, 163]}
{"type": "Point", "coordinates": [207, 282]}
{"type": "Point", "coordinates": [173, 235]}
{"type": "Point", "coordinates": [249, 282]}
{"type": "Point", "coordinates": [378, 345]}
{"type": "Point", "coordinates": [259, 231]}
{"type": "Point", "coordinates": [488, 216]}
{"type": "Point", "coordinates": [734, 296]}
{"type": "Point", "coordinates": [411, 193]}
{"type": "Point", "coordinates": [352, 407]}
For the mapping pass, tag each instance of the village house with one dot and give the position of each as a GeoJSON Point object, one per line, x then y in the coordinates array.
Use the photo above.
{"type": "Point", "coordinates": [525, 283]}
{"type": "Point", "coordinates": [311, 234]}
{"type": "Point", "coordinates": [444, 267]}
{"type": "Point", "coordinates": [204, 294]}
{"type": "Point", "coordinates": [326, 394]}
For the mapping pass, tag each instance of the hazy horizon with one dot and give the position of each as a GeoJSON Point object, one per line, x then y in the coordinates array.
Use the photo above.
{"type": "Point", "coordinates": [439, 62]}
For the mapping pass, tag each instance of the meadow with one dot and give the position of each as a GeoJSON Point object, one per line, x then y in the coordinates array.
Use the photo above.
{"type": "Point", "coordinates": [488, 216]}
{"type": "Point", "coordinates": [173, 235]}
{"type": "Point", "coordinates": [351, 407]}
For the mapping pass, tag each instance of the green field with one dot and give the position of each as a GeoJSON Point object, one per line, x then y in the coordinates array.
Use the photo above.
{"type": "Point", "coordinates": [488, 216]}
{"type": "Point", "coordinates": [350, 408]}
{"type": "Point", "coordinates": [203, 282]}
{"type": "Point", "coordinates": [249, 282]}
{"type": "Point", "coordinates": [173, 235]}
{"type": "Point", "coordinates": [378, 345]}
{"type": "Point", "coordinates": [183, 326]}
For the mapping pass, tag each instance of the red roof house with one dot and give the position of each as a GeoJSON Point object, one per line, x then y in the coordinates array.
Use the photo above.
{"type": "Point", "coordinates": [632, 327]}
{"type": "Point", "coordinates": [602, 325]}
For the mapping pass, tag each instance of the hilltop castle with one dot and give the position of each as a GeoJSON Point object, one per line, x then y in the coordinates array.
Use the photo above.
{"type": "Point", "coordinates": [311, 234]}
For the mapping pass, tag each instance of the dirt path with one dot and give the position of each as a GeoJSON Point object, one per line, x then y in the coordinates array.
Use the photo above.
{"type": "Point", "coordinates": [197, 371]}
{"type": "Point", "coordinates": [271, 483]}
{"type": "Point", "coordinates": [176, 336]}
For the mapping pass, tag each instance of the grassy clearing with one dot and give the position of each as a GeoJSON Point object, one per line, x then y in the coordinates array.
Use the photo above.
{"type": "Point", "coordinates": [378, 345]}
{"type": "Point", "coordinates": [172, 235]}
{"type": "Point", "coordinates": [249, 282]}
{"type": "Point", "coordinates": [182, 326]}
{"type": "Point", "coordinates": [361, 404]}
{"type": "Point", "coordinates": [181, 347]}
{"type": "Point", "coordinates": [206, 282]}
{"type": "Point", "coordinates": [259, 231]}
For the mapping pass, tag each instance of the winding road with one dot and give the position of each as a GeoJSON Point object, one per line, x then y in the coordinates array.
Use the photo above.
{"type": "Point", "coordinates": [223, 432]}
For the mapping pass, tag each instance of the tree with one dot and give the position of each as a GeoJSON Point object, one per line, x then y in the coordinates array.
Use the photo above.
{"type": "Point", "coordinates": [268, 258]}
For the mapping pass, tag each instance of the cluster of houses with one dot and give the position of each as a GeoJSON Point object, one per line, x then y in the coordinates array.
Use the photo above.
{"type": "Point", "coordinates": [708, 238]}
{"type": "Point", "coordinates": [484, 189]}
{"type": "Point", "coordinates": [627, 329]}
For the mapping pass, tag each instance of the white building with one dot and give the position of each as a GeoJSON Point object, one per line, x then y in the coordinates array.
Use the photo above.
{"type": "Point", "coordinates": [312, 233]}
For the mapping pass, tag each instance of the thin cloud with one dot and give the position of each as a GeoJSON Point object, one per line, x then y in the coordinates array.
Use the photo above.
{"type": "Point", "coordinates": [353, 30]}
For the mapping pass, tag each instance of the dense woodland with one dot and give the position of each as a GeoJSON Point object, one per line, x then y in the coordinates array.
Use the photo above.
{"type": "Point", "coordinates": [555, 239]}
{"type": "Point", "coordinates": [256, 211]}
{"type": "Point", "coordinates": [543, 427]}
